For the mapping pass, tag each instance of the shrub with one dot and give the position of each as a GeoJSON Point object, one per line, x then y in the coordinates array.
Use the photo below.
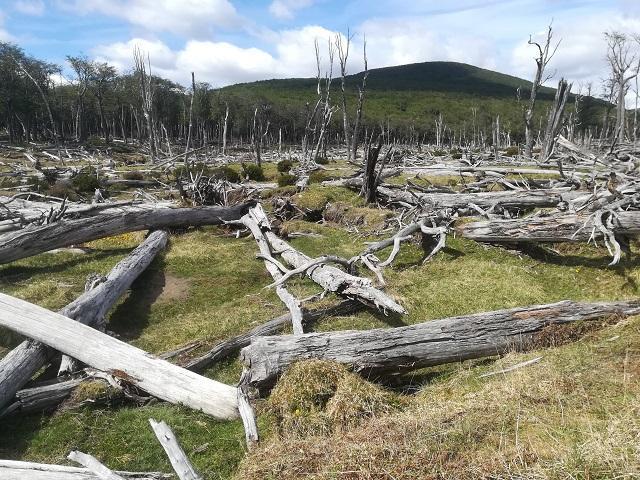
{"type": "Point", "coordinates": [439, 153]}
{"type": "Point", "coordinates": [322, 160]}
{"type": "Point", "coordinates": [512, 151]}
{"type": "Point", "coordinates": [37, 183]}
{"type": "Point", "coordinates": [284, 166]}
{"type": "Point", "coordinates": [253, 172]}
{"type": "Point", "coordinates": [226, 173]}
{"type": "Point", "coordinates": [62, 189]}
{"type": "Point", "coordinates": [285, 179]}
{"type": "Point", "coordinates": [456, 156]}
{"type": "Point", "coordinates": [86, 182]}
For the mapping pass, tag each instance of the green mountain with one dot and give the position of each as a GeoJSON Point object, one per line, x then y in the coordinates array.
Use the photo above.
{"type": "Point", "coordinates": [411, 97]}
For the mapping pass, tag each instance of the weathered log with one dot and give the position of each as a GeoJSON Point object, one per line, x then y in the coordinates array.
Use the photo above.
{"type": "Point", "coordinates": [106, 223]}
{"type": "Point", "coordinates": [257, 223]}
{"type": "Point", "coordinates": [41, 397]}
{"type": "Point", "coordinates": [19, 365]}
{"type": "Point", "coordinates": [335, 280]}
{"type": "Point", "coordinates": [233, 345]}
{"type": "Point", "coordinates": [16, 470]}
{"type": "Point", "coordinates": [380, 351]}
{"type": "Point", "coordinates": [92, 464]}
{"type": "Point", "coordinates": [506, 199]}
{"type": "Point", "coordinates": [149, 373]}
{"type": "Point", "coordinates": [553, 228]}
{"type": "Point", "coordinates": [179, 461]}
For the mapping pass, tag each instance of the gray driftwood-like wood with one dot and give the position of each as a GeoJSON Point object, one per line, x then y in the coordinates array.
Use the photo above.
{"type": "Point", "coordinates": [92, 464]}
{"type": "Point", "coordinates": [148, 372]}
{"type": "Point", "coordinates": [553, 228]}
{"type": "Point", "coordinates": [436, 342]}
{"type": "Point", "coordinates": [335, 280]}
{"type": "Point", "coordinates": [16, 470]}
{"type": "Point", "coordinates": [233, 345]}
{"type": "Point", "coordinates": [508, 199]}
{"type": "Point", "coordinates": [179, 461]}
{"type": "Point", "coordinates": [90, 308]}
{"type": "Point", "coordinates": [105, 223]}
{"type": "Point", "coordinates": [258, 223]}
{"type": "Point", "coordinates": [41, 397]}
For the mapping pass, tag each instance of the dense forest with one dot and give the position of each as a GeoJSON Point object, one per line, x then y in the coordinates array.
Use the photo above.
{"type": "Point", "coordinates": [409, 102]}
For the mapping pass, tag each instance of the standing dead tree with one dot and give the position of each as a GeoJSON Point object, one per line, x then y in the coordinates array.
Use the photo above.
{"type": "Point", "coordinates": [146, 93]}
{"type": "Point", "coordinates": [621, 62]}
{"type": "Point", "coordinates": [342, 46]}
{"type": "Point", "coordinates": [545, 54]}
{"type": "Point", "coordinates": [361, 94]}
{"type": "Point", "coordinates": [371, 178]}
{"type": "Point", "coordinates": [554, 123]}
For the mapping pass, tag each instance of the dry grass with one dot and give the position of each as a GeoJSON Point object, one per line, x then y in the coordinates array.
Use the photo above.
{"type": "Point", "coordinates": [573, 415]}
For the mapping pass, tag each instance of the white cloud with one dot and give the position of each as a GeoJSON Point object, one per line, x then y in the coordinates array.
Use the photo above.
{"type": "Point", "coordinates": [222, 63]}
{"type": "Point", "coordinates": [5, 36]}
{"type": "Point", "coordinates": [192, 18]}
{"type": "Point", "coordinates": [286, 9]}
{"type": "Point", "coordinates": [30, 7]}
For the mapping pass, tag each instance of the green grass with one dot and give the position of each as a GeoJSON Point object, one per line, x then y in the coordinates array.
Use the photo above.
{"type": "Point", "coordinates": [209, 286]}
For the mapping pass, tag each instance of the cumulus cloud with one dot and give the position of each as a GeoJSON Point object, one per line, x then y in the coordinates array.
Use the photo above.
{"type": "Point", "coordinates": [223, 63]}
{"type": "Point", "coordinates": [192, 18]}
{"type": "Point", "coordinates": [5, 36]}
{"type": "Point", "coordinates": [30, 7]}
{"type": "Point", "coordinates": [286, 9]}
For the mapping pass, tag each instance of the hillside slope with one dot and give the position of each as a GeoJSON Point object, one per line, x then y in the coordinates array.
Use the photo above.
{"type": "Point", "coordinates": [413, 96]}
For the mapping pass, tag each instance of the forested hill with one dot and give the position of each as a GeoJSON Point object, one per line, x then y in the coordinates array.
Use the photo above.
{"type": "Point", "coordinates": [415, 95]}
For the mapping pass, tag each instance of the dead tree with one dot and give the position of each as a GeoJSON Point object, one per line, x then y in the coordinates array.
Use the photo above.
{"type": "Point", "coordinates": [20, 364]}
{"type": "Point", "coordinates": [343, 55]}
{"type": "Point", "coordinates": [621, 62]}
{"type": "Point", "coordinates": [224, 130]}
{"type": "Point", "coordinates": [554, 122]}
{"type": "Point", "coordinates": [361, 96]}
{"type": "Point", "coordinates": [371, 177]}
{"type": "Point", "coordinates": [146, 94]}
{"type": "Point", "coordinates": [130, 364]}
{"type": "Point", "coordinates": [545, 54]}
{"type": "Point", "coordinates": [105, 223]}
{"type": "Point", "coordinates": [394, 350]}
{"type": "Point", "coordinates": [16, 470]}
{"type": "Point", "coordinates": [188, 147]}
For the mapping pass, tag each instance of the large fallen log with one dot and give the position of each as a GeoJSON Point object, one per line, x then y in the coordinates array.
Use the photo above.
{"type": "Point", "coordinates": [335, 280]}
{"type": "Point", "coordinates": [385, 350]}
{"type": "Point", "coordinates": [233, 345]}
{"type": "Point", "coordinates": [552, 228]}
{"type": "Point", "coordinates": [137, 367]}
{"type": "Point", "coordinates": [16, 470]}
{"type": "Point", "coordinates": [106, 223]}
{"type": "Point", "coordinates": [90, 308]}
{"type": "Point", "coordinates": [507, 199]}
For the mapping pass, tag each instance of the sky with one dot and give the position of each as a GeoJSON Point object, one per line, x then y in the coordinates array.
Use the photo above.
{"type": "Point", "coordinates": [232, 41]}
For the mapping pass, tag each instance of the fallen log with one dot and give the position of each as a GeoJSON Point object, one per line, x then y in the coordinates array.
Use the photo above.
{"type": "Point", "coordinates": [92, 464]}
{"type": "Point", "coordinates": [20, 364]}
{"type": "Point", "coordinates": [394, 350]}
{"type": "Point", "coordinates": [233, 345]}
{"type": "Point", "coordinates": [16, 470]}
{"type": "Point", "coordinates": [145, 371]}
{"type": "Point", "coordinates": [552, 228]}
{"type": "Point", "coordinates": [335, 280]}
{"type": "Point", "coordinates": [508, 199]}
{"type": "Point", "coordinates": [106, 223]}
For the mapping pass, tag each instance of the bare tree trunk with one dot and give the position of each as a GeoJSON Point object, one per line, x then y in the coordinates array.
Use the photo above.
{"type": "Point", "coordinates": [19, 365]}
{"type": "Point", "coordinates": [554, 122]}
{"type": "Point", "coordinates": [224, 131]}
{"type": "Point", "coordinates": [187, 148]}
{"type": "Point", "coordinates": [361, 94]}
{"type": "Point", "coordinates": [436, 342]}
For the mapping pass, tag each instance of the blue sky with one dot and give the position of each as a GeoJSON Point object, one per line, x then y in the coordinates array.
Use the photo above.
{"type": "Point", "coordinates": [227, 41]}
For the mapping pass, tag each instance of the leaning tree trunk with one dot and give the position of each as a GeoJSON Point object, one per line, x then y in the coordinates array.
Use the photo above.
{"type": "Point", "coordinates": [19, 365]}
{"type": "Point", "coordinates": [393, 350]}
{"type": "Point", "coordinates": [106, 223]}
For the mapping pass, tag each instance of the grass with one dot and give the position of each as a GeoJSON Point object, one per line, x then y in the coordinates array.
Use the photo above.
{"type": "Point", "coordinates": [573, 414]}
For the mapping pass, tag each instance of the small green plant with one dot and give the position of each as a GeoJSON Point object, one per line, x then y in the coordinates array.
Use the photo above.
{"type": "Point", "coordinates": [322, 161]}
{"type": "Point", "coordinates": [512, 151]}
{"type": "Point", "coordinates": [226, 173]}
{"type": "Point", "coordinates": [286, 179]}
{"type": "Point", "coordinates": [253, 172]}
{"type": "Point", "coordinates": [86, 182]}
{"type": "Point", "coordinates": [456, 156]}
{"type": "Point", "coordinates": [284, 166]}
{"type": "Point", "coordinates": [439, 153]}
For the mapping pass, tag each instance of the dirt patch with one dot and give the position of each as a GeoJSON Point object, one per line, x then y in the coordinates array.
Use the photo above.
{"type": "Point", "coordinates": [174, 288]}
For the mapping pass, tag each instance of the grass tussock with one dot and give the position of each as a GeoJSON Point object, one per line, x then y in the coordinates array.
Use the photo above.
{"type": "Point", "coordinates": [318, 397]}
